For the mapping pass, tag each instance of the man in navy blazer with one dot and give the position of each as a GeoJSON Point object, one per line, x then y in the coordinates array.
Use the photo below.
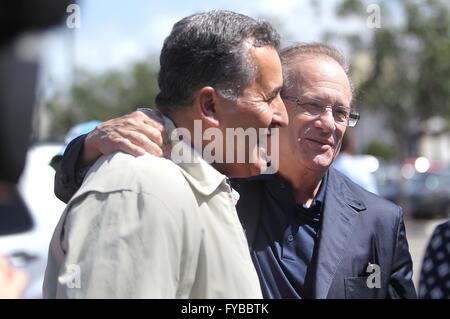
{"type": "Point", "coordinates": [359, 231]}
{"type": "Point", "coordinates": [312, 232]}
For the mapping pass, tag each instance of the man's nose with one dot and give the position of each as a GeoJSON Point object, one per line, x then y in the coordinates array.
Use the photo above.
{"type": "Point", "coordinates": [280, 116]}
{"type": "Point", "coordinates": [326, 120]}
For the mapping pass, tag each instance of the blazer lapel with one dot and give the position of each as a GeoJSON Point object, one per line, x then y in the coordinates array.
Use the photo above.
{"type": "Point", "coordinates": [338, 217]}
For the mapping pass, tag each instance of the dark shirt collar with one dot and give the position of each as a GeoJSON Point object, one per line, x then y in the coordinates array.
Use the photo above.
{"type": "Point", "coordinates": [319, 200]}
{"type": "Point", "coordinates": [285, 245]}
{"type": "Point", "coordinates": [282, 189]}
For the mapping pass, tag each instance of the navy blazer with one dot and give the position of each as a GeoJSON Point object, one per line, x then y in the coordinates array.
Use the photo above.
{"type": "Point", "coordinates": [358, 228]}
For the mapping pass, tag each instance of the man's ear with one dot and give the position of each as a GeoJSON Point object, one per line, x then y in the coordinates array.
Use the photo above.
{"type": "Point", "coordinates": [206, 105]}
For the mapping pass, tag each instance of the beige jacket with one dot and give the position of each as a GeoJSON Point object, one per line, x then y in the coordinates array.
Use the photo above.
{"type": "Point", "coordinates": [147, 228]}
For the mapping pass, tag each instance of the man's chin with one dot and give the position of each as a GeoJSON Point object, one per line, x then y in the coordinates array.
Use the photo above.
{"type": "Point", "coordinates": [245, 170]}
{"type": "Point", "coordinates": [321, 163]}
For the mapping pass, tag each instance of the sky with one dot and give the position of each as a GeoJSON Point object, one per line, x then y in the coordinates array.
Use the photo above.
{"type": "Point", "coordinates": [114, 33]}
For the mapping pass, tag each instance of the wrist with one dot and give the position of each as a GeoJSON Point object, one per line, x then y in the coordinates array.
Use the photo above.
{"type": "Point", "coordinates": [90, 152]}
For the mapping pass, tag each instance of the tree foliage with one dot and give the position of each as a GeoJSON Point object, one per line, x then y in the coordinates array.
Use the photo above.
{"type": "Point", "coordinates": [409, 75]}
{"type": "Point", "coordinates": [102, 96]}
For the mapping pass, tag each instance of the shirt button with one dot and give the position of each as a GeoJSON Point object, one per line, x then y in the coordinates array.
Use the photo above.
{"type": "Point", "coordinates": [290, 238]}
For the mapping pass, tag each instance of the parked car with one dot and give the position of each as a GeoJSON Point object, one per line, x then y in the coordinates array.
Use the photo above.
{"type": "Point", "coordinates": [429, 194]}
{"type": "Point", "coordinates": [388, 182]}
{"type": "Point", "coordinates": [26, 233]}
{"type": "Point", "coordinates": [422, 195]}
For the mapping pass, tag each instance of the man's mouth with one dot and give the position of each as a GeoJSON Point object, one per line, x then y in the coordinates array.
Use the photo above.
{"type": "Point", "coordinates": [321, 142]}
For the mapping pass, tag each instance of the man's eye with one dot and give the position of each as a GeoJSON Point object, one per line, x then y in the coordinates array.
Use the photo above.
{"type": "Point", "coordinates": [270, 100]}
{"type": "Point", "coordinates": [342, 112]}
{"type": "Point", "coordinates": [313, 106]}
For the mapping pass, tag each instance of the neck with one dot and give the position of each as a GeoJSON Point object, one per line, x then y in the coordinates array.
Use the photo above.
{"type": "Point", "coordinates": [185, 120]}
{"type": "Point", "coordinates": [305, 183]}
{"type": "Point", "coordinates": [196, 128]}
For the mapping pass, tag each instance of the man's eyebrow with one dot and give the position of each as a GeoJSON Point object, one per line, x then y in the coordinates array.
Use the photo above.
{"type": "Point", "coordinates": [311, 97]}
{"type": "Point", "coordinates": [275, 91]}
{"type": "Point", "coordinates": [321, 98]}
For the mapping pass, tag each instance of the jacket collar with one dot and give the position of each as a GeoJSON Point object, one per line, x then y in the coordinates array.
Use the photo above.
{"type": "Point", "coordinates": [201, 175]}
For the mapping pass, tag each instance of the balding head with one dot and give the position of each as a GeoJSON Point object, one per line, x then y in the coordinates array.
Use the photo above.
{"type": "Point", "coordinates": [294, 56]}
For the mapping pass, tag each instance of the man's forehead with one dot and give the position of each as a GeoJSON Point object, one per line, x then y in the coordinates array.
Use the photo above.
{"type": "Point", "coordinates": [318, 67]}
{"type": "Point", "coordinates": [268, 66]}
{"type": "Point", "coordinates": [318, 75]}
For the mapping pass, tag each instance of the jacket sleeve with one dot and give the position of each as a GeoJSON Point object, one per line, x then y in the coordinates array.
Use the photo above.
{"type": "Point", "coordinates": [400, 282]}
{"type": "Point", "coordinates": [137, 254]}
{"type": "Point", "coordinates": [69, 176]}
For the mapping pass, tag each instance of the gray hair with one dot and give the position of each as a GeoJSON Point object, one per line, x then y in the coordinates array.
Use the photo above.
{"type": "Point", "coordinates": [290, 54]}
{"type": "Point", "coordinates": [207, 49]}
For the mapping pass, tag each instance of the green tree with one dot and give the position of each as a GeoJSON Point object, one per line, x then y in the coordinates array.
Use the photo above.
{"type": "Point", "coordinates": [408, 78]}
{"type": "Point", "coordinates": [102, 96]}
{"type": "Point", "coordinates": [381, 150]}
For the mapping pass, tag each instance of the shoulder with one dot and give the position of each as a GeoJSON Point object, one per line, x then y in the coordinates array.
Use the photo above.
{"type": "Point", "coordinates": [146, 174]}
{"type": "Point", "coordinates": [124, 192]}
{"type": "Point", "coordinates": [443, 230]}
{"type": "Point", "coordinates": [438, 240]}
{"type": "Point", "coordinates": [377, 206]}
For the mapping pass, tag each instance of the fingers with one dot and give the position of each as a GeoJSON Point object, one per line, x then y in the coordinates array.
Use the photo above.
{"type": "Point", "coordinates": [138, 122]}
{"type": "Point", "coordinates": [4, 265]}
{"type": "Point", "coordinates": [148, 116]}
{"type": "Point", "coordinates": [17, 284]}
{"type": "Point", "coordinates": [125, 146]}
{"type": "Point", "coordinates": [153, 117]}
{"type": "Point", "coordinates": [12, 281]}
{"type": "Point", "coordinates": [153, 134]}
{"type": "Point", "coordinates": [155, 120]}
{"type": "Point", "coordinates": [137, 144]}
{"type": "Point", "coordinates": [135, 133]}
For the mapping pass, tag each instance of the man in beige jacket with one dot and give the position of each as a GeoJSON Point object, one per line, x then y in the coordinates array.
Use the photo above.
{"type": "Point", "coordinates": [145, 227]}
